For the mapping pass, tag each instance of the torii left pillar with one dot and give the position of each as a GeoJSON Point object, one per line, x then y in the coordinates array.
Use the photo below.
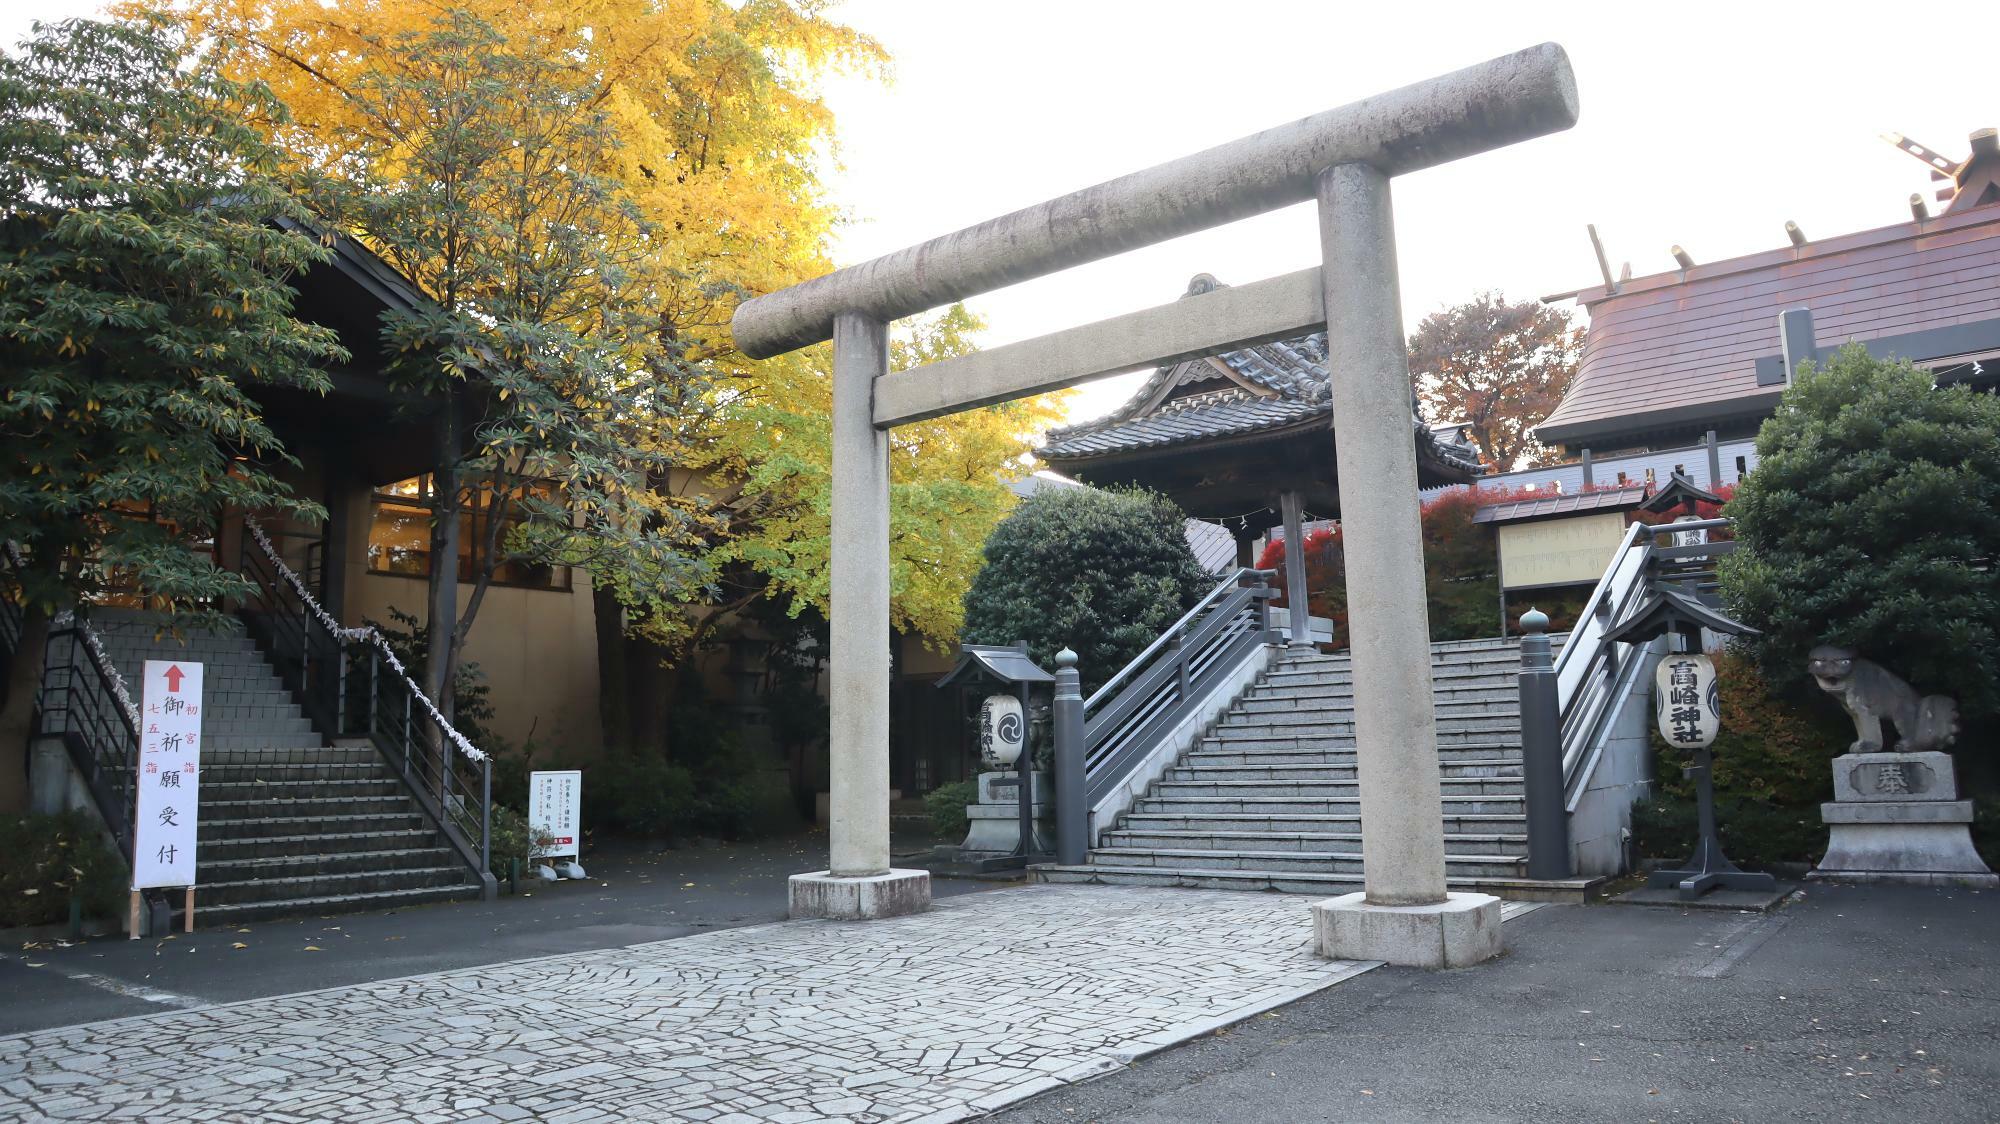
{"type": "Point", "coordinates": [858, 882]}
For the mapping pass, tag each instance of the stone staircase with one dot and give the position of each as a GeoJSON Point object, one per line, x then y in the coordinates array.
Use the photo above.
{"type": "Point", "coordinates": [289, 824]}
{"type": "Point", "coordinates": [1267, 799]}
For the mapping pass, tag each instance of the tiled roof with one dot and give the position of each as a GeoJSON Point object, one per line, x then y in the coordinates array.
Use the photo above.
{"type": "Point", "coordinates": [1266, 387]}
{"type": "Point", "coordinates": [1519, 511]}
{"type": "Point", "coordinates": [1684, 347]}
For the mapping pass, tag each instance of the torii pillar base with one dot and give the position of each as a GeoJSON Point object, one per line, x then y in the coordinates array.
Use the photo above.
{"type": "Point", "coordinates": [863, 897]}
{"type": "Point", "coordinates": [1462, 930]}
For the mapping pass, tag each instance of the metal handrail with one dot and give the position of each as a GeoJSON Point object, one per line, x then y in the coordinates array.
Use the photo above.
{"type": "Point", "coordinates": [352, 685]}
{"type": "Point", "coordinates": [1591, 674]}
{"type": "Point", "coordinates": [1157, 691]}
{"type": "Point", "coordinates": [1233, 581]}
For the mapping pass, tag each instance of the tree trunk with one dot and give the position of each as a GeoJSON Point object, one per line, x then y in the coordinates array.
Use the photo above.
{"type": "Point", "coordinates": [614, 700]}
{"type": "Point", "coordinates": [441, 616]}
{"type": "Point", "coordinates": [17, 716]}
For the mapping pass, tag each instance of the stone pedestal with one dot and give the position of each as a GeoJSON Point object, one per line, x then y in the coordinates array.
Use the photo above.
{"type": "Point", "coordinates": [861, 897]}
{"type": "Point", "coordinates": [1896, 818]}
{"type": "Point", "coordinates": [996, 818]}
{"type": "Point", "coordinates": [1462, 930]}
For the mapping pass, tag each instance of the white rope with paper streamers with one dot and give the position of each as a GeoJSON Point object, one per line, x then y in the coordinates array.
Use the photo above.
{"type": "Point", "coordinates": [365, 634]}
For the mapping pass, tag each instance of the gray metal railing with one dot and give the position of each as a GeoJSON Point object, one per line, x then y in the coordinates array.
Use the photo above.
{"type": "Point", "coordinates": [1592, 674]}
{"type": "Point", "coordinates": [351, 685]}
{"type": "Point", "coordinates": [1102, 739]}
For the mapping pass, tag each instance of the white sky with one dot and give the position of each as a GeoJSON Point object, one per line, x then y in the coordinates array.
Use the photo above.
{"type": "Point", "coordinates": [1706, 124]}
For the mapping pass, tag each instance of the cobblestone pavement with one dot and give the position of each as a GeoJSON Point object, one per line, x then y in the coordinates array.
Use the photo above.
{"type": "Point", "coordinates": [978, 1003]}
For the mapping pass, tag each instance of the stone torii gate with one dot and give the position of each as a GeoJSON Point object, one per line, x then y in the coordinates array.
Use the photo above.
{"type": "Point", "coordinates": [1343, 158]}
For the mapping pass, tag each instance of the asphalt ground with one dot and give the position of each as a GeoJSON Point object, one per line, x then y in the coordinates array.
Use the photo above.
{"type": "Point", "coordinates": [634, 894]}
{"type": "Point", "coordinates": [1850, 1003]}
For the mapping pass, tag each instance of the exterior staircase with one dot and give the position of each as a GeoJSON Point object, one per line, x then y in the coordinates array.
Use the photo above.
{"type": "Point", "coordinates": [288, 823]}
{"type": "Point", "coordinates": [1267, 799]}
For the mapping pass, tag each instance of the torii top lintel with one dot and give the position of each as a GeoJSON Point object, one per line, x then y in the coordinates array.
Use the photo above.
{"type": "Point", "coordinates": [1490, 105]}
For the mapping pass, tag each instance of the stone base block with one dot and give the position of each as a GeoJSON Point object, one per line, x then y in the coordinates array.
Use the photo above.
{"type": "Point", "coordinates": [992, 829]}
{"type": "Point", "coordinates": [1926, 854]}
{"type": "Point", "coordinates": [866, 897]}
{"type": "Point", "coordinates": [1462, 930]}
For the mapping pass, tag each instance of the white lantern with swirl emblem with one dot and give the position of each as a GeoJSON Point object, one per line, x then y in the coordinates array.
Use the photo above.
{"type": "Point", "coordinates": [1002, 728]}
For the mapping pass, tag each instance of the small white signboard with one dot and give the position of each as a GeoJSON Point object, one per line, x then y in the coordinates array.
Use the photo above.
{"type": "Point", "coordinates": [169, 776]}
{"type": "Point", "coordinates": [1687, 700]}
{"type": "Point", "coordinates": [555, 809]}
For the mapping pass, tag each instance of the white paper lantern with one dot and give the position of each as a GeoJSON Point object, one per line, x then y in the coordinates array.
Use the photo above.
{"type": "Point", "coordinates": [1687, 700]}
{"type": "Point", "coordinates": [1001, 730]}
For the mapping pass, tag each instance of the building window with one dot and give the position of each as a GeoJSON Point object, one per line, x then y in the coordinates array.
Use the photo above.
{"type": "Point", "coordinates": [399, 534]}
{"type": "Point", "coordinates": [1740, 468]}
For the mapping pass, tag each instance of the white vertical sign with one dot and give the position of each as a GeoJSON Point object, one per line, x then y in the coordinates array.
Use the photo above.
{"type": "Point", "coordinates": [555, 809]}
{"type": "Point", "coordinates": [169, 797]}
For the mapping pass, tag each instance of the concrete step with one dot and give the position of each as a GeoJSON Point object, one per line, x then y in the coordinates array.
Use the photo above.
{"type": "Point", "coordinates": [1192, 770]}
{"type": "Point", "coordinates": [318, 884]}
{"type": "Point", "coordinates": [249, 789]}
{"type": "Point", "coordinates": [1340, 718]}
{"type": "Point", "coordinates": [238, 770]}
{"type": "Point", "coordinates": [1291, 862]}
{"type": "Point", "coordinates": [268, 730]}
{"type": "Point", "coordinates": [272, 746]}
{"type": "Point", "coordinates": [1324, 885]}
{"type": "Point", "coordinates": [1499, 694]}
{"type": "Point", "coordinates": [1253, 708]}
{"type": "Point", "coordinates": [1459, 733]}
{"type": "Point", "coordinates": [1279, 751]}
{"type": "Point", "coordinates": [283, 823]}
{"type": "Point", "coordinates": [236, 870]}
{"type": "Point", "coordinates": [1291, 803]}
{"type": "Point", "coordinates": [1455, 843]}
{"type": "Point", "coordinates": [289, 756]}
{"type": "Point", "coordinates": [321, 904]}
{"type": "Point", "coordinates": [1513, 826]}
{"type": "Point", "coordinates": [1457, 765]}
{"type": "Point", "coordinates": [1170, 788]}
{"type": "Point", "coordinates": [318, 843]}
{"type": "Point", "coordinates": [1326, 766]}
{"type": "Point", "coordinates": [270, 807]}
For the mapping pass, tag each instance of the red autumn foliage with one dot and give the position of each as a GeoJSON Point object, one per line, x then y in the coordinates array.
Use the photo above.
{"type": "Point", "coordinates": [1461, 564]}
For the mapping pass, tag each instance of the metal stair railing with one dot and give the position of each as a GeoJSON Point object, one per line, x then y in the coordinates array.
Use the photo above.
{"type": "Point", "coordinates": [351, 684]}
{"type": "Point", "coordinates": [1593, 675]}
{"type": "Point", "coordinates": [82, 701]}
{"type": "Point", "coordinates": [1157, 691]}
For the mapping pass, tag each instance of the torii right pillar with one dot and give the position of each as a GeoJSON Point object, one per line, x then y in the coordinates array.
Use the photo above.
{"type": "Point", "coordinates": [1404, 915]}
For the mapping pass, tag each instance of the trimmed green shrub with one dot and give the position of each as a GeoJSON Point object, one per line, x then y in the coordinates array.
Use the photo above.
{"type": "Point", "coordinates": [1871, 522]}
{"type": "Point", "coordinates": [49, 859]}
{"type": "Point", "coordinates": [1775, 747]}
{"type": "Point", "coordinates": [946, 806]}
{"type": "Point", "coordinates": [1754, 834]}
{"type": "Point", "coordinates": [511, 840]}
{"type": "Point", "coordinates": [1100, 571]}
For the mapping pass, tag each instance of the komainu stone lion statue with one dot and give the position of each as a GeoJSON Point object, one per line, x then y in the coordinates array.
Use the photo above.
{"type": "Point", "coordinates": [1872, 695]}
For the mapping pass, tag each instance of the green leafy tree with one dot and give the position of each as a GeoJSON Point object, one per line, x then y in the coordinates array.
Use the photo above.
{"type": "Point", "coordinates": [1100, 571]}
{"type": "Point", "coordinates": [1872, 521]}
{"type": "Point", "coordinates": [473, 167]}
{"type": "Point", "coordinates": [142, 301]}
